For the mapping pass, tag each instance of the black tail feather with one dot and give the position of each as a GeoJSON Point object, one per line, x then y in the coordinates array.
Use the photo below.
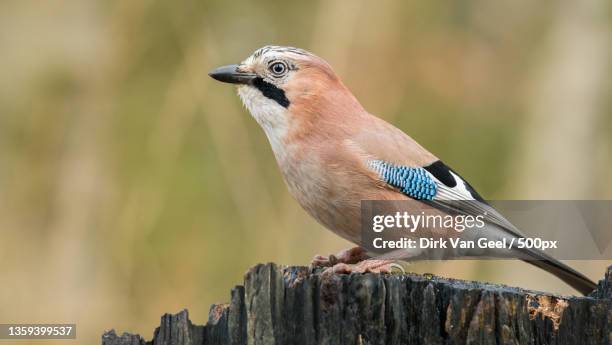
{"type": "Point", "coordinates": [569, 275]}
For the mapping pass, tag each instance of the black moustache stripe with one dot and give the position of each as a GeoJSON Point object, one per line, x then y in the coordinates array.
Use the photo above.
{"type": "Point", "coordinates": [271, 91]}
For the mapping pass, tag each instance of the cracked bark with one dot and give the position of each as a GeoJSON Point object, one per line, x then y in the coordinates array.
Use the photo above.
{"type": "Point", "coordinates": [289, 305]}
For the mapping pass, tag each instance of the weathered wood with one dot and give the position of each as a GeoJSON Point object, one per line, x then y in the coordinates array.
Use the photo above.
{"type": "Point", "coordinates": [290, 305]}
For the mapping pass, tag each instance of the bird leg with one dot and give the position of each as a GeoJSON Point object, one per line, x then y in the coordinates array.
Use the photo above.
{"type": "Point", "coordinates": [366, 266]}
{"type": "Point", "coordinates": [347, 256]}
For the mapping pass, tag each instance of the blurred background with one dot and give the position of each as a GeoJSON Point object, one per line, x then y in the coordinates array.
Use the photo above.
{"type": "Point", "coordinates": [132, 184]}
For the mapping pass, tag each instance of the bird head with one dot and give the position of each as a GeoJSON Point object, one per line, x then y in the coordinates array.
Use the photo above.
{"type": "Point", "coordinates": [286, 87]}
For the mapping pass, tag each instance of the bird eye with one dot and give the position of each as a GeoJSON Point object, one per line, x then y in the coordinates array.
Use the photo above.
{"type": "Point", "coordinates": [278, 68]}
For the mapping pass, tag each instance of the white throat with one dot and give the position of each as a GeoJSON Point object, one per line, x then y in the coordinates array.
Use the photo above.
{"type": "Point", "coordinates": [271, 116]}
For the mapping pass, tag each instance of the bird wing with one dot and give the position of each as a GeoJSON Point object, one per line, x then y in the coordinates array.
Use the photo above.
{"type": "Point", "coordinates": [456, 194]}
{"type": "Point", "coordinates": [442, 188]}
{"type": "Point", "coordinates": [400, 163]}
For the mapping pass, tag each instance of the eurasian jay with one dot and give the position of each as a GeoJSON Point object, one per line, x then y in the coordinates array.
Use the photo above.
{"type": "Point", "coordinates": [333, 154]}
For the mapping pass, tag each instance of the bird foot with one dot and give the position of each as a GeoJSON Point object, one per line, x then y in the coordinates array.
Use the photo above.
{"type": "Point", "coordinates": [348, 256]}
{"type": "Point", "coordinates": [367, 266]}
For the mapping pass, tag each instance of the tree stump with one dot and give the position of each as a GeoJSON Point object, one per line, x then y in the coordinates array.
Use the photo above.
{"type": "Point", "coordinates": [290, 305]}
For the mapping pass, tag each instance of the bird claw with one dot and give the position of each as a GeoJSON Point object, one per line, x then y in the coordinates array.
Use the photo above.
{"type": "Point", "coordinates": [367, 266]}
{"type": "Point", "coordinates": [320, 261]}
{"type": "Point", "coordinates": [398, 267]}
{"type": "Point", "coordinates": [348, 256]}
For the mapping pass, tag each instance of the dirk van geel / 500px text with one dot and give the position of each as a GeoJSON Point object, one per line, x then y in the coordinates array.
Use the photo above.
{"type": "Point", "coordinates": [404, 221]}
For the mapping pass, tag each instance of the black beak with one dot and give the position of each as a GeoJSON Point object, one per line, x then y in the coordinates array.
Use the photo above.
{"type": "Point", "coordinates": [231, 74]}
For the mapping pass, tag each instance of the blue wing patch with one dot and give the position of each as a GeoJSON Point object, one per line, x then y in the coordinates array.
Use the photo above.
{"type": "Point", "coordinates": [414, 182]}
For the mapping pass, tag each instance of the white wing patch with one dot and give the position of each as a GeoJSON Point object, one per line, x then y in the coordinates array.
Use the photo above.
{"type": "Point", "coordinates": [460, 199]}
{"type": "Point", "coordinates": [458, 192]}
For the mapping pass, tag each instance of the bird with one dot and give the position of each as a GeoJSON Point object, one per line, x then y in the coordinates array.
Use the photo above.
{"type": "Point", "coordinates": [333, 154]}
